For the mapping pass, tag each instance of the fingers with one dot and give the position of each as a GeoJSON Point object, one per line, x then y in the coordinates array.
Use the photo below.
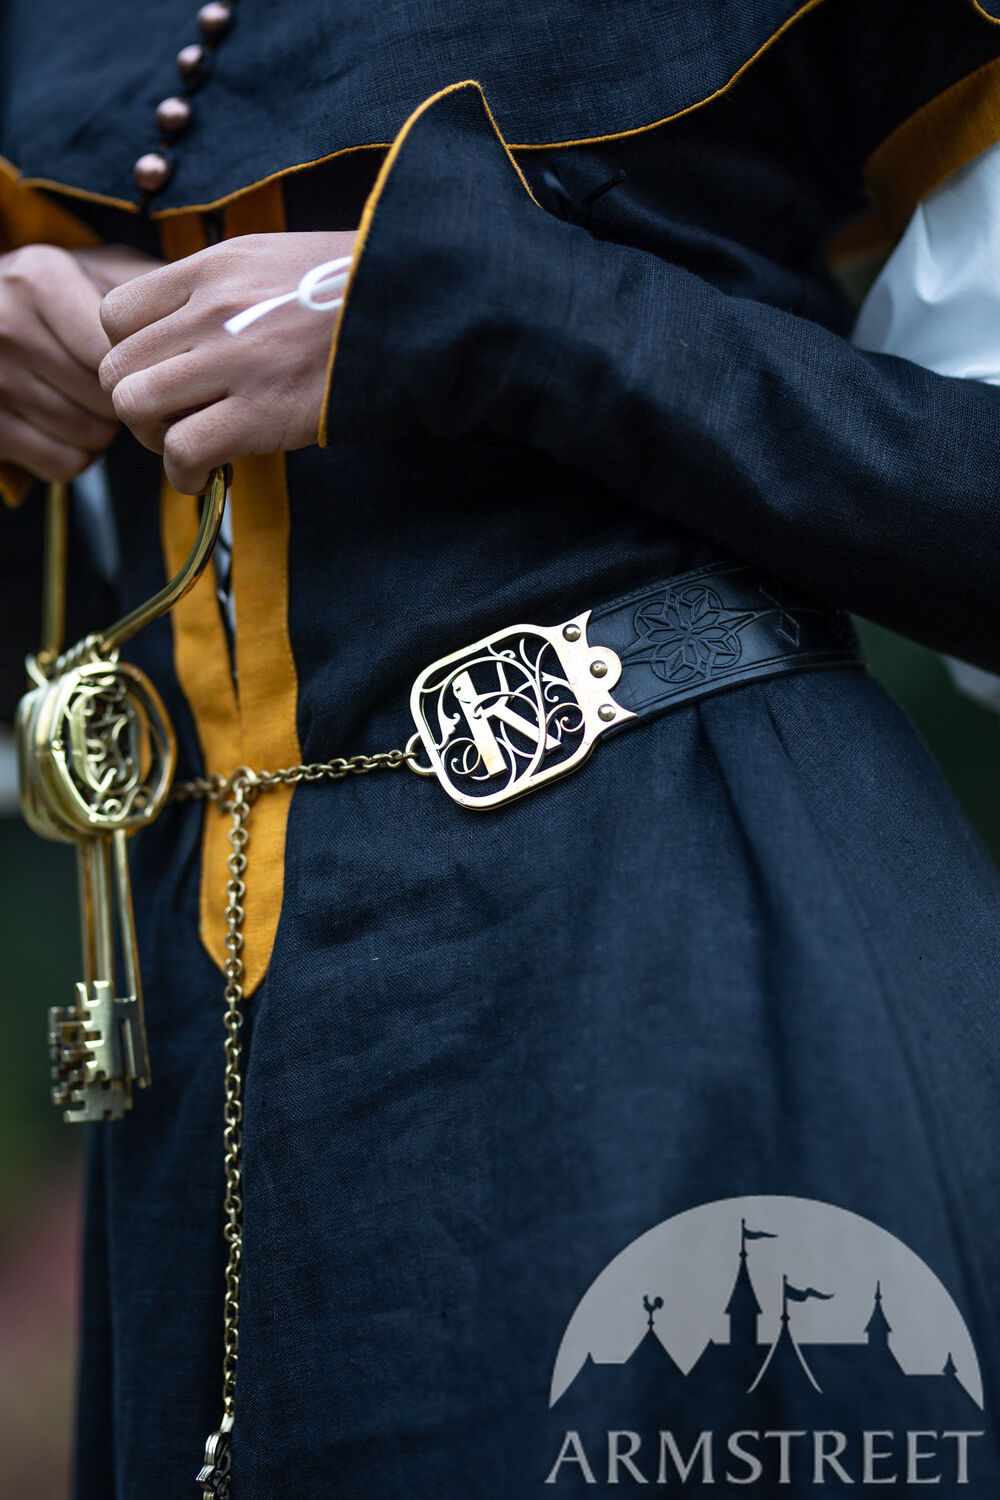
{"type": "Point", "coordinates": [54, 415]}
{"type": "Point", "coordinates": [45, 297]}
{"type": "Point", "coordinates": [151, 399]}
{"type": "Point", "coordinates": [221, 280]}
{"type": "Point", "coordinates": [188, 389]}
{"type": "Point", "coordinates": [51, 363]}
{"type": "Point", "coordinates": [163, 313]}
{"type": "Point", "coordinates": [63, 420]}
{"type": "Point", "coordinates": [161, 341]}
{"type": "Point", "coordinates": [22, 443]}
{"type": "Point", "coordinates": [65, 299]}
{"type": "Point", "coordinates": [145, 300]}
{"type": "Point", "coordinates": [202, 442]}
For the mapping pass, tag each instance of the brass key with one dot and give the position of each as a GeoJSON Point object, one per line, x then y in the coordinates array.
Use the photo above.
{"type": "Point", "coordinates": [96, 756]}
{"type": "Point", "coordinates": [89, 1078]}
{"type": "Point", "coordinates": [99, 1044]}
{"type": "Point", "coordinates": [98, 759]}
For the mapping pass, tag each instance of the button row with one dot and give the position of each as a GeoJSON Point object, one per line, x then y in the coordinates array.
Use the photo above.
{"type": "Point", "coordinates": [153, 169]}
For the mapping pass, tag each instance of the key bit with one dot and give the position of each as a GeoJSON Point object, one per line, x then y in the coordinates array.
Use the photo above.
{"type": "Point", "coordinates": [100, 1031]}
{"type": "Point", "coordinates": [80, 1099]}
{"type": "Point", "coordinates": [93, 1102]}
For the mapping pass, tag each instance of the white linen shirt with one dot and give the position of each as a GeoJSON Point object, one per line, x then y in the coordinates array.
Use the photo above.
{"type": "Point", "coordinates": [937, 301]}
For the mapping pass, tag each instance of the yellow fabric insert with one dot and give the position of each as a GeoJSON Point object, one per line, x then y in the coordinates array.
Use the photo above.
{"type": "Point", "coordinates": [30, 218]}
{"type": "Point", "coordinates": [944, 134]}
{"type": "Point", "coordinates": [14, 485]}
{"type": "Point", "coordinates": [253, 725]}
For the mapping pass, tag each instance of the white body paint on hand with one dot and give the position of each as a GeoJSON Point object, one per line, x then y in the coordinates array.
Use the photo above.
{"type": "Point", "coordinates": [320, 282]}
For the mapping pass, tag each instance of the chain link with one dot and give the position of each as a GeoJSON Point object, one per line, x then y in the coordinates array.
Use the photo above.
{"type": "Point", "coordinates": [232, 1132]}
{"type": "Point", "coordinates": [216, 788]}
{"type": "Point", "coordinates": [235, 795]}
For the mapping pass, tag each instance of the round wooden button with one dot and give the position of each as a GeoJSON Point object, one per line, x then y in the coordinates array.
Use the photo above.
{"type": "Point", "coordinates": [190, 61]}
{"type": "Point", "coordinates": [173, 115]}
{"type": "Point", "coordinates": [214, 17]}
{"type": "Point", "coordinates": [151, 172]}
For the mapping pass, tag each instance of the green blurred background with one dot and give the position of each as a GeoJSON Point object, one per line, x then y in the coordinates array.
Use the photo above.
{"type": "Point", "coordinates": [38, 938]}
{"type": "Point", "coordinates": [39, 1156]}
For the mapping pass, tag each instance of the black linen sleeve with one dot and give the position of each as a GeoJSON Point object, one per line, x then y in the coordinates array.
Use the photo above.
{"type": "Point", "coordinates": [863, 478]}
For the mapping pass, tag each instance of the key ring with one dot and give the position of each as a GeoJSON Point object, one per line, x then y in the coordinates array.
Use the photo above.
{"type": "Point", "coordinates": [50, 660]}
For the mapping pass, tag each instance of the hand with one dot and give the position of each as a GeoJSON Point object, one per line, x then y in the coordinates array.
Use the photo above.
{"type": "Point", "coordinates": [54, 417]}
{"type": "Point", "coordinates": [202, 396]}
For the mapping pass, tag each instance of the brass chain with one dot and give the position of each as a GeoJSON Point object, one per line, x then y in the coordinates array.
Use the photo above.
{"type": "Point", "coordinates": [235, 794]}
{"type": "Point", "coordinates": [214, 788]}
{"type": "Point", "coordinates": [232, 1132]}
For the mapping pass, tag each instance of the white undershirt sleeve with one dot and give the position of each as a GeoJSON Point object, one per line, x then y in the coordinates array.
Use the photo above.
{"type": "Point", "coordinates": [936, 301]}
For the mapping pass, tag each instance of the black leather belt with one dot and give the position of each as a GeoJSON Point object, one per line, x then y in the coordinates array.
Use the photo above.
{"type": "Point", "coordinates": [527, 704]}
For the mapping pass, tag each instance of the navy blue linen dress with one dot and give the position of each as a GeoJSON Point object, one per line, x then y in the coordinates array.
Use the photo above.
{"type": "Point", "coordinates": [749, 951]}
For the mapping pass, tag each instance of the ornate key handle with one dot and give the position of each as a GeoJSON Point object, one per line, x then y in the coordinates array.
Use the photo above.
{"type": "Point", "coordinates": [213, 505]}
{"type": "Point", "coordinates": [96, 750]}
{"type": "Point", "coordinates": [47, 662]}
{"type": "Point", "coordinates": [96, 757]}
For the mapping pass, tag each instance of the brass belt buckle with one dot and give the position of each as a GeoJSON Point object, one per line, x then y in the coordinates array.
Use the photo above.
{"type": "Point", "coordinates": [515, 710]}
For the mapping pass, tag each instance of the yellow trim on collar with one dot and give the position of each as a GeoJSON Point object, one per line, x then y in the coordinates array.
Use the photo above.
{"type": "Point", "coordinates": [318, 161]}
{"type": "Point", "coordinates": [49, 184]}
{"type": "Point", "coordinates": [28, 217]}
{"type": "Point", "coordinates": [620, 135]}
{"type": "Point", "coordinates": [234, 198]}
{"type": "Point", "coordinates": [250, 188]}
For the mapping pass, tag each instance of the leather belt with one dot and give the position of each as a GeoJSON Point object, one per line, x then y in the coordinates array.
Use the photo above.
{"type": "Point", "coordinates": [527, 704]}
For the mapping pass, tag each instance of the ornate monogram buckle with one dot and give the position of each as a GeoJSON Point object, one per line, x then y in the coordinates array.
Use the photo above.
{"type": "Point", "coordinates": [515, 710]}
